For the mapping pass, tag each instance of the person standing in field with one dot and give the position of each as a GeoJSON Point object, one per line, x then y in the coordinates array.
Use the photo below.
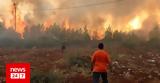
{"type": "Point", "coordinates": [100, 63]}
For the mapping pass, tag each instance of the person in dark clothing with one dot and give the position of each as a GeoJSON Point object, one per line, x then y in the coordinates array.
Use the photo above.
{"type": "Point", "coordinates": [63, 48]}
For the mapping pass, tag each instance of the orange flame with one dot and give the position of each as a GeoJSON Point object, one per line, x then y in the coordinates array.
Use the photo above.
{"type": "Point", "coordinates": [133, 21]}
{"type": "Point", "coordinates": [65, 24]}
{"type": "Point", "coordinates": [20, 23]}
{"type": "Point", "coordinates": [47, 23]}
{"type": "Point", "coordinates": [1, 20]}
{"type": "Point", "coordinates": [137, 22]}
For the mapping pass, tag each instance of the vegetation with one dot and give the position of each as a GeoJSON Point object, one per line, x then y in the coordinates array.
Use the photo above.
{"type": "Point", "coordinates": [54, 36]}
{"type": "Point", "coordinates": [51, 77]}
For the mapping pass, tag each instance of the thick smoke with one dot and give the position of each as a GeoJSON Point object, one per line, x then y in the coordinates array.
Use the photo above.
{"type": "Point", "coordinates": [97, 15]}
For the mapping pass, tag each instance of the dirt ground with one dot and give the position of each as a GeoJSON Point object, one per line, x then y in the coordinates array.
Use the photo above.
{"type": "Point", "coordinates": [142, 68]}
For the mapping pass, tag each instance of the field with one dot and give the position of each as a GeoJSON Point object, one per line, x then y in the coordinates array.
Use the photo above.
{"type": "Point", "coordinates": [51, 65]}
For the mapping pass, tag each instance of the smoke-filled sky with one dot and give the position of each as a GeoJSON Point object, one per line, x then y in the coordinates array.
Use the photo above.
{"type": "Point", "coordinates": [97, 15]}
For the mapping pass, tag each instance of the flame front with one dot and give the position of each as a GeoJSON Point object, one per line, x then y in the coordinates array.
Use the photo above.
{"type": "Point", "coordinates": [118, 15]}
{"type": "Point", "coordinates": [137, 22]}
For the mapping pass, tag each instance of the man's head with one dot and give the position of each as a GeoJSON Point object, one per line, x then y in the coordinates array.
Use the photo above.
{"type": "Point", "coordinates": [100, 46]}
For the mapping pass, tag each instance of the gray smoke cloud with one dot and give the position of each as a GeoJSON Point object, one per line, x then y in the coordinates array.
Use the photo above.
{"type": "Point", "coordinates": [96, 14]}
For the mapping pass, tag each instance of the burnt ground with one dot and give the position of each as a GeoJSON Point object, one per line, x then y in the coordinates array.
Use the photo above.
{"type": "Point", "coordinates": [129, 67]}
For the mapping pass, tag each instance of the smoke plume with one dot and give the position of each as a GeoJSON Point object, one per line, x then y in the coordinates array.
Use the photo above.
{"type": "Point", "coordinates": [97, 15]}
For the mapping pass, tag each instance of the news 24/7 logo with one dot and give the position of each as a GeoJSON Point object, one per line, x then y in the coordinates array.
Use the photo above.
{"type": "Point", "coordinates": [18, 73]}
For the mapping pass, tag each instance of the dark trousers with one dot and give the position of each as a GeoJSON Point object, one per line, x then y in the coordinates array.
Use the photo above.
{"type": "Point", "coordinates": [97, 75]}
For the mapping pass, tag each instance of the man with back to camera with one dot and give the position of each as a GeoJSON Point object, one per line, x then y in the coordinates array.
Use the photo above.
{"type": "Point", "coordinates": [100, 62]}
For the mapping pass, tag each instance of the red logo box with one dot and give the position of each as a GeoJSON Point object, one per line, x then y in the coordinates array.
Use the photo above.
{"type": "Point", "coordinates": [18, 73]}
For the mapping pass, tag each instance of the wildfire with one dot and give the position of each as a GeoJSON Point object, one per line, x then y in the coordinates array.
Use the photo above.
{"type": "Point", "coordinates": [65, 24]}
{"type": "Point", "coordinates": [15, 20]}
{"type": "Point", "coordinates": [137, 22]}
{"type": "Point", "coordinates": [20, 25]}
{"type": "Point", "coordinates": [158, 15]}
{"type": "Point", "coordinates": [108, 21]}
{"type": "Point", "coordinates": [47, 23]}
{"type": "Point", "coordinates": [1, 20]}
{"type": "Point", "coordinates": [8, 23]}
{"type": "Point", "coordinates": [97, 20]}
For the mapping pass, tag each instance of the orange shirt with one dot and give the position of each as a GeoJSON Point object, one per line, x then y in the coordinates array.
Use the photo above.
{"type": "Point", "coordinates": [100, 61]}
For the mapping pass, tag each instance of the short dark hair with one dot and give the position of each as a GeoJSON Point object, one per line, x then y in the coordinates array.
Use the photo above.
{"type": "Point", "coordinates": [100, 46]}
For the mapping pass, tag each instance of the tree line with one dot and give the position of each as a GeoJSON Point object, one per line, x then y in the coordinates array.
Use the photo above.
{"type": "Point", "coordinates": [55, 36]}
